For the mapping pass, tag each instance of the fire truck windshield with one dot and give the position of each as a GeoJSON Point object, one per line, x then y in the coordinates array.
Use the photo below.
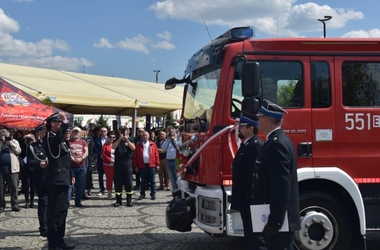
{"type": "Point", "coordinates": [200, 96]}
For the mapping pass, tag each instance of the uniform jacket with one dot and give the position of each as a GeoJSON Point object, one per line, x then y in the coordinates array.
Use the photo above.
{"type": "Point", "coordinates": [275, 180]}
{"type": "Point", "coordinates": [14, 151]}
{"type": "Point", "coordinates": [242, 171]}
{"type": "Point", "coordinates": [58, 171]}
{"type": "Point", "coordinates": [154, 159]}
{"type": "Point", "coordinates": [35, 155]}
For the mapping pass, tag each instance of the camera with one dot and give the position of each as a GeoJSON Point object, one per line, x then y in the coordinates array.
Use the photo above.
{"type": "Point", "coordinates": [8, 138]}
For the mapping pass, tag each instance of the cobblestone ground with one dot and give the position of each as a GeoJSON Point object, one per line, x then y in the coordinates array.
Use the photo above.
{"type": "Point", "coordinates": [99, 225]}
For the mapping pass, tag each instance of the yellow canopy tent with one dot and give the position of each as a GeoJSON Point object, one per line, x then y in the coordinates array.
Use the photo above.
{"type": "Point", "coordinates": [92, 94]}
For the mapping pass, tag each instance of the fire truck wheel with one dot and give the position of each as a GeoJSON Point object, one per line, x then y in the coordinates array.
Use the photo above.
{"type": "Point", "coordinates": [325, 223]}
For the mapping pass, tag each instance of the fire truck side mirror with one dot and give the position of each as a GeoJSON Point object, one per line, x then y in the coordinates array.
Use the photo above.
{"type": "Point", "coordinates": [171, 83]}
{"type": "Point", "coordinates": [251, 79]}
{"type": "Point", "coordinates": [250, 105]}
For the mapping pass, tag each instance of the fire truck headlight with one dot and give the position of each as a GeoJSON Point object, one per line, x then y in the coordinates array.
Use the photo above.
{"type": "Point", "coordinates": [209, 210]}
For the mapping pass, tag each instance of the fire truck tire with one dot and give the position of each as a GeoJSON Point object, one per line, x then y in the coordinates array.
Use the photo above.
{"type": "Point", "coordinates": [325, 223]}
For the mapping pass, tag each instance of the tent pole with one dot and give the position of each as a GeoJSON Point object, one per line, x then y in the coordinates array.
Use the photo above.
{"type": "Point", "coordinates": [134, 122]}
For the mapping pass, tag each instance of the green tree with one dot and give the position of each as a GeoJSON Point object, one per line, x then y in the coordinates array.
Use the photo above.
{"type": "Point", "coordinates": [169, 120]}
{"type": "Point", "coordinates": [285, 93]}
{"type": "Point", "coordinates": [102, 122]}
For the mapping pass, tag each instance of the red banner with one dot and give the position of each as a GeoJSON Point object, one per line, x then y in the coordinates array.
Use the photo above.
{"type": "Point", "coordinates": [20, 110]}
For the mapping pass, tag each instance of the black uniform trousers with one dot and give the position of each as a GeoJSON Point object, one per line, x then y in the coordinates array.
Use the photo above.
{"type": "Point", "coordinates": [123, 171]}
{"type": "Point", "coordinates": [254, 241]}
{"type": "Point", "coordinates": [42, 193]}
{"type": "Point", "coordinates": [28, 184]}
{"type": "Point", "coordinates": [89, 184]}
{"type": "Point", "coordinates": [57, 213]}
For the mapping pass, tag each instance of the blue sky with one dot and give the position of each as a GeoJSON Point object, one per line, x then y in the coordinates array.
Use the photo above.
{"type": "Point", "coordinates": [132, 38]}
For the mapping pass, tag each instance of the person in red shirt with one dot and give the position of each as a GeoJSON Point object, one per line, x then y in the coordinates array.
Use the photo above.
{"type": "Point", "coordinates": [108, 158]}
{"type": "Point", "coordinates": [147, 161]}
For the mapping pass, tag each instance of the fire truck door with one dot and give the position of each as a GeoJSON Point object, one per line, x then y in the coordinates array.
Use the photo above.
{"type": "Point", "coordinates": [323, 111]}
{"type": "Point", "coordinates": [357, 104]}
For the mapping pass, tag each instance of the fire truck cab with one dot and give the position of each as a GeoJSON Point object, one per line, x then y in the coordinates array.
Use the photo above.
{"type": "Point", "coordinates": [330, 88]}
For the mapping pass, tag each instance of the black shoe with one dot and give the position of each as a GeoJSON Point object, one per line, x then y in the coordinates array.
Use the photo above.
{"type": "Point", "coordinates": [85, 197]}
{"type": "Point", "coordinates": [78, 204]}
{"type": "Point", "coordinates": [117, 204]}
{"type": "Point", "coordinates": [1, 210]}
{"type": "Point", "coordinates": [153, 197]}
{"type": "Point", "coordinates": [141, 197]}
{"type": "Point", "coordinates": [65, 246]}
{"type": "Point", "coordinates": [31, 205]}
{"type": "Point", "coordinates": [16, 209]}
{"type": "Point", "coordinates": [129, 204]}
{"type": "Point", "coordinates": [43, 234]}
{"type": "Point", "coordinates": [26, 205]}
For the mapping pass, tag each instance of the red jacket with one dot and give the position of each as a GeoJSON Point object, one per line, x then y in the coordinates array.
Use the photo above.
{"type": "Point", "coordinates": [106, 153]}
{"type": "Point", "coordinates": [154, 159]}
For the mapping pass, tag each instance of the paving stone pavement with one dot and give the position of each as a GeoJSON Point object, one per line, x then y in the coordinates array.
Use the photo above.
{"type": "Point", "coordinates": [99, 225]}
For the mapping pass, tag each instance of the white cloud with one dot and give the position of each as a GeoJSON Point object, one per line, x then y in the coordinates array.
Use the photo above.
{"type": "Point", "coordinates": [103, 43]}
{"type": "Point", "coordinates": [363, 34]}
{"type": "Point", "coordinates": [137, 43]}
{"type": "Point", "coordinates": [54, 62]}
{"type": "Point", "coordinates": [164, 45]}
{"type": "Point", "coordinates": [165, 35]}
{"type": "Point", "coordinates": [269, 17]}
{"type": "Point", "coordinates": [12, 47]}
{"type": "Point", "coordinates": [39, 54]}
{"type": "Point", "coordinates": [7, 24]}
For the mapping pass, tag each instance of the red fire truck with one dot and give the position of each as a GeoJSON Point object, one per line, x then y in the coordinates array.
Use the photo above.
{"type": "Point", "coordinates": [331, 90]}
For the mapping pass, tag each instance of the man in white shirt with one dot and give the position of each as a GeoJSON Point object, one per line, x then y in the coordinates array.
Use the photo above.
{"type": "Point", "coordinates": [170, 147]}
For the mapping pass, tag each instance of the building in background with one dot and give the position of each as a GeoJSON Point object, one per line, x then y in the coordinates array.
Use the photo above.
{"type": "Point", "coordinates": [156, 122]}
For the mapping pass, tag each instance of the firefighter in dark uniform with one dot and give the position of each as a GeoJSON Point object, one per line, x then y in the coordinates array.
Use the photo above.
{"type": "Point", "coordinates": [242, 171]}
{"type": "Point", "coordinates": [58, 178]}
{"type": "Point", "coordinates": [37, 159]}
{"type": "Point", "coordinates": [123, 166]}
{"type": "Point", "coordinates": [275, 178]}
{"type": "Point", "coordinates": [88, 181]}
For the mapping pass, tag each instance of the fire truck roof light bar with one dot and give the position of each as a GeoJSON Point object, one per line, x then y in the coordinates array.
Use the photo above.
{"type": "Point", "coordinates": [240, 33]}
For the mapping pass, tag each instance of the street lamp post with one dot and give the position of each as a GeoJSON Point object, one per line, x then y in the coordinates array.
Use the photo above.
{"type": "Point", "coordinates": [157, 71]}
{"type": "Point", "coordinates": [326, 18]}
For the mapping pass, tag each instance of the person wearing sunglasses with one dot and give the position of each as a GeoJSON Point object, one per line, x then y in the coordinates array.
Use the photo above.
{"type": "Point", "coordinates": [108, 157]}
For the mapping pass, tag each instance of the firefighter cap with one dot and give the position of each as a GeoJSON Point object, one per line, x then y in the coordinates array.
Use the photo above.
{"type": "Point", "coordinates": [40, 127]}
{"type": "Point", "coordinates": [54, 118]}
{"type": "Point", "coordinates": [271, 109]}
{"type": "Point", "coordinates": [248, 118]}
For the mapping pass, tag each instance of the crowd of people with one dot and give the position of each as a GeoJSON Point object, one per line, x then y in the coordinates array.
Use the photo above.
{"type": "Point", "coordinates": [56, 163]}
